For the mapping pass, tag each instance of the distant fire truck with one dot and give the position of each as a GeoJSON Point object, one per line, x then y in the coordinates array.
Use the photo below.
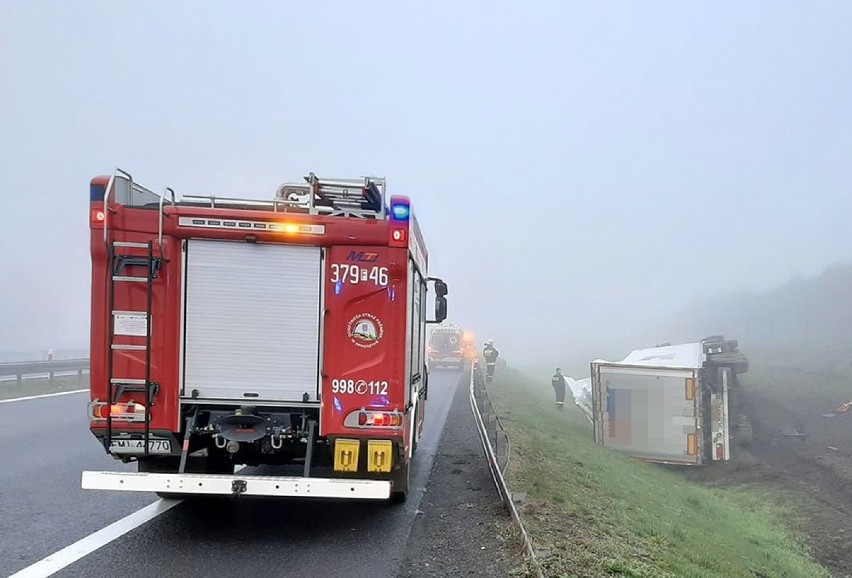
{"type": "Point", "coordinates": [232, 332]}
{"type": "Point", "coordinates": [469, 347]}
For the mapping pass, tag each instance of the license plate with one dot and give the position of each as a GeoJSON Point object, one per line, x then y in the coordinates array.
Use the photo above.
{"type": "Point", "coordinates": [137, 446]}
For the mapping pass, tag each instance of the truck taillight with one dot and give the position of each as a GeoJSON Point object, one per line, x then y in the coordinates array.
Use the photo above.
{"type": "Point", "coordinates": [373, 419]}
{"type": "Point", "coordinates": [380, 419]}
{"type": "Point", "coordinates": [129, 411]}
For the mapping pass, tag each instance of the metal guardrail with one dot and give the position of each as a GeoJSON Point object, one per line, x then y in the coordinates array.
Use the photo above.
{"type": "Point", "coordinates": [487, 421]}
{"type": "Point", "coordinates": [493, 428]}
{"type": "Point", "coordinates": [50, 368]}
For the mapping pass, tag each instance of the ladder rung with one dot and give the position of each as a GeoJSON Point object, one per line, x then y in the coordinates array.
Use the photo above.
{"type": "Point", "coordinates": [119, 381]}
{"type": "Point", "coordinates": [130, 245]}
{"type": "Point", "coordinates": [133, 279]}
{"type": "Point", "coordinates": [119, 347]}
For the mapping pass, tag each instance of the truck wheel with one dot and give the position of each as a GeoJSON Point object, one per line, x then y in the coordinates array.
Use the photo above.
{"type": "Point", "coordinates": [744, 433]}
{"type": "Point", "coordinates": [399, 491]}
{"type": "Point", "coordinates": [166, 465]}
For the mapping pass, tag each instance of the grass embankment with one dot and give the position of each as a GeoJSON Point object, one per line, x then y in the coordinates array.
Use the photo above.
{"type": "Point", "coordinates": [597, 512]}
{"type": "Point", "coordinates": [41, 386]}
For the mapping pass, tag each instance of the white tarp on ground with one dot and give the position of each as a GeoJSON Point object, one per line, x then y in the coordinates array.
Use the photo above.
{"type": "Point", "coordinates": [581, 389]}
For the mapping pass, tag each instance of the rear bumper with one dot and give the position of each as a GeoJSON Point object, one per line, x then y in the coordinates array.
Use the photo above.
{"type": "Point", "coordinates": [223, 485]}
{"type": "Point", "coordinates": [446, 359]}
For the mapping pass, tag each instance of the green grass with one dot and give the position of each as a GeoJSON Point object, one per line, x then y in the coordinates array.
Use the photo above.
{"type": "Point", "coordinates": [41, 386]}
{"type": "Point", "coordinates": [597, 512]}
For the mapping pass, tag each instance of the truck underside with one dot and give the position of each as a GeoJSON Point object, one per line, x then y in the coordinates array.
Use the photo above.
{"type": "Point", "coordinates": [224, 437]}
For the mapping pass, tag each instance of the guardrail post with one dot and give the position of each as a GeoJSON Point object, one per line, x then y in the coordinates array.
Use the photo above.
{"type": "Point", "coordinates": [80, 376]}
{"type": "Point", "coordinates": [496, 444]}
{"type": "Point", "coordinates": [20, 377]}
{"type": "Point", "coordinates": [50, 377]}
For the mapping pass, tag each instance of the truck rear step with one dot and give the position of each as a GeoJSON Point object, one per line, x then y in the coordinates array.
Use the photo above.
{"type": "Point", "coordinates": [236, 485]}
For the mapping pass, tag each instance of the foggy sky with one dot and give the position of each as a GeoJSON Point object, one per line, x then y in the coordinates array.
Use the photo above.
{"type": "Point", "coordinates": [577, 168]}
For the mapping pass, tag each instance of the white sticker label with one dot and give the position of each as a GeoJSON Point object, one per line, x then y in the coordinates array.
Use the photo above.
{"type": "Point", "coordinates": [122, 446]}
{"type": "Point", "coordinates": [361, 387]}
{"type": "Point", "coordinates": [355, 274]}
{"type": "Point", "coordinates": [132, 324]}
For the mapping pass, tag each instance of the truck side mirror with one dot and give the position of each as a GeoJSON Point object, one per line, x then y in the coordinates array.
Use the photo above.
{"type": "Point", "coordinates": [440, 308]}
{"type": "Point", "coordinates": [440, 300]}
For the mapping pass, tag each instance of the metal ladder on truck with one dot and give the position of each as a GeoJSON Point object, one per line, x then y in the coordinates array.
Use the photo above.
{"type": "Point", "coordinates": [363, 197]}
{"type": "Point", "coordinates": [121, 259]}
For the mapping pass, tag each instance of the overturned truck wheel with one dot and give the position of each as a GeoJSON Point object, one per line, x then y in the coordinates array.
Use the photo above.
{"type": "Point", "coordinates": [744, 435]}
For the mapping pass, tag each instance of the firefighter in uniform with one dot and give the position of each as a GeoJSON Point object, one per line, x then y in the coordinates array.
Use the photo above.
{"type": "Point", "coordinates": [559, 385]}
{"type": "Point", "coordinates": [490, 354]}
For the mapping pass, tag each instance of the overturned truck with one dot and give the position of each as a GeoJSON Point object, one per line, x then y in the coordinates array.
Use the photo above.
{"type": "Point", "coordinates": [674, 404]}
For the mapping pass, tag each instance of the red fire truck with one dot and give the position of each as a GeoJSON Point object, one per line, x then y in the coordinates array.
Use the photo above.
{"type": "Point", "coordinates": [229, 332]}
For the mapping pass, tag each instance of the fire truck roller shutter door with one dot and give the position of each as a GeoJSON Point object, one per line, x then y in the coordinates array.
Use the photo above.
{"type": "Point", "coordinates": [252, 320]}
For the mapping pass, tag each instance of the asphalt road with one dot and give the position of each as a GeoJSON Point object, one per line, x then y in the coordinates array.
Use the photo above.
{"type": "Point", "coordinates": [44, 445]}
{"type": "Point", "coordinates": [44, 510]}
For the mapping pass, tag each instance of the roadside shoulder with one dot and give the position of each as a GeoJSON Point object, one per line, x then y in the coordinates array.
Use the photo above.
{"type": "Point", "coordinates": [462, 527]}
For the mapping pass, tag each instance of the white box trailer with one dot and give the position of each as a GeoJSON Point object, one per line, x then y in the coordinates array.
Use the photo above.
{"type": "Point", "coordinates": [673, 404]}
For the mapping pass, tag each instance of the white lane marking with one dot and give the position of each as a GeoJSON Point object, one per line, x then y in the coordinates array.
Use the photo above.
{"type": "Point", "coordinates": [43, 395]}
{"type": "Point", "coordinates": [85, 546]}
{"type": "Point", "coordinates": [70, 554]}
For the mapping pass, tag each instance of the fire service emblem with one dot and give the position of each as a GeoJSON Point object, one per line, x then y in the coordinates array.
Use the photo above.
{"type": "Point", "coordinates": [365, 330]}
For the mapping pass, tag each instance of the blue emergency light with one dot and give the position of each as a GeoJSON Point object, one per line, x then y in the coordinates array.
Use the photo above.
{"type": "Point", "coordinates": [400, 211]}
